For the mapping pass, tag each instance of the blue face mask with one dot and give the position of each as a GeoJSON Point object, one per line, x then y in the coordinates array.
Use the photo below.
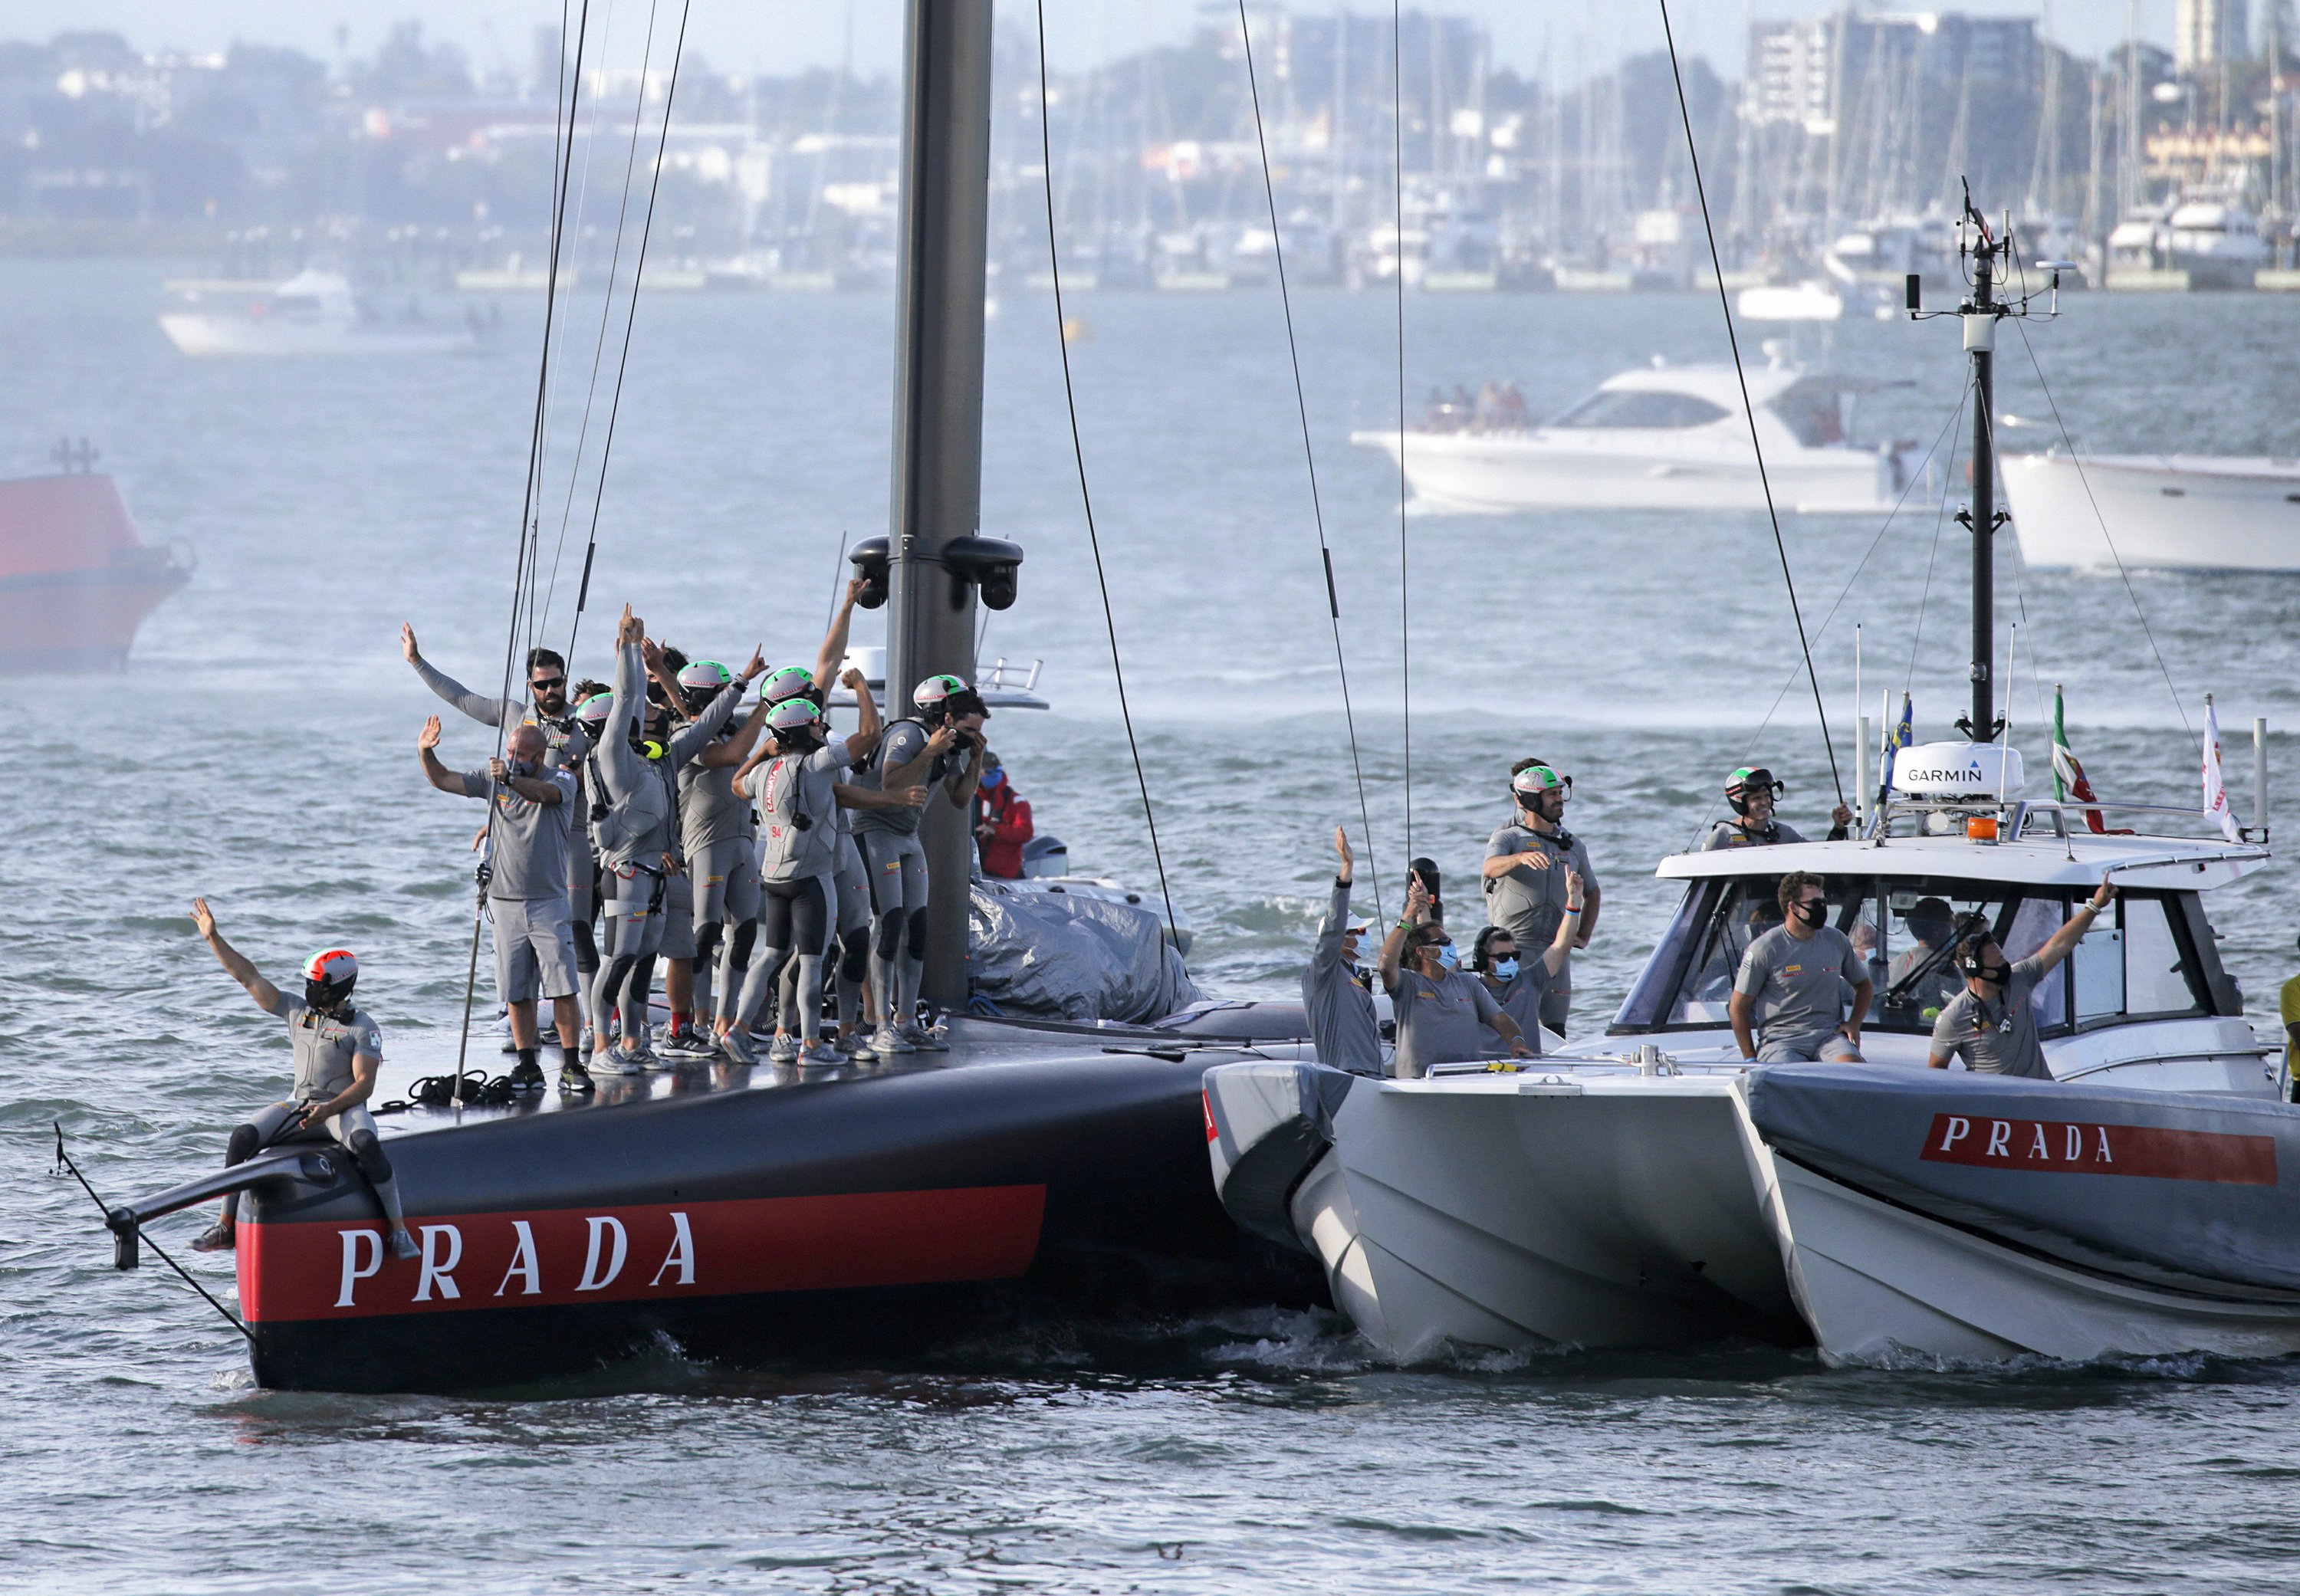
{"type": "Point", "coordinates": [1448, 959]}
{"type": "Point", "coordinates": [1506, 969]}
{"type": "Point", "coordinates": [994, 777]}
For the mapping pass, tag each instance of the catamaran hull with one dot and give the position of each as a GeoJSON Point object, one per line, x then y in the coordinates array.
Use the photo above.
{"type": "Point", "coordinates": [1881, 1284]}
{"type": "Point", "coordinates": [811, 1225]}
{"type": "Point", "coordinates": [1498, 473]}
{"type": "Point", "coordinates": [1525, 1213]}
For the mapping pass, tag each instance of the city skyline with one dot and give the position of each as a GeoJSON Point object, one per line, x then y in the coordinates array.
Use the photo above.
{"type": "Point", "coordinates": [1576, 39]}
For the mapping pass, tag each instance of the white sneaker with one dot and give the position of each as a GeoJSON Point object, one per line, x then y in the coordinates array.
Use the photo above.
{"type": "Point", "coordinates": [622, 1060]}
{"type": "Point", "coordinates": [861, 1050]}
{"type": "Point", "coordinates": [923, 1039]}
{"type": "Point", "coordinates": [821, 1052]}
{"type": "Point", "coordinates": [782, 1050]}
{"type": "Point", "coordinates": [888, 1042]}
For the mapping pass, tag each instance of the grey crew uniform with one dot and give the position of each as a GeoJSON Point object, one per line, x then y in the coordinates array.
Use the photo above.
{"type": "Point", "coordinates": [1732, 834]}
{"type": "Point", "coordinates": [799, 855]}
{"type": "Point", "coordinates": [1520, 998]}
{"type": "Point", "coordinates": [1798, 989]}
{"type": "Point", "coordinates": [1528, 902]}
{"type": "Point", "coordinates": [717, 827]}
{"type": "Point", "coordinates": [639, 827]}
{"type": "Point", "coordinates": [1439, 1022]}
{"type": "Point", "coordinates": [1339, 1008]}
{"type": "Point", "coordinates": [897, 862]}
{"type": "Point", "coordinates": [527, 892]}
{"type": "Point", "coordinates": [1998, 1038]}
{"type": "Point", "coordinates": [326, 1046]}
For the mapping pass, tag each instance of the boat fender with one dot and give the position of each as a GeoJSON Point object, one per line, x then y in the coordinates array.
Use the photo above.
{"type": "Point", "coordinates": [1267, 1125]}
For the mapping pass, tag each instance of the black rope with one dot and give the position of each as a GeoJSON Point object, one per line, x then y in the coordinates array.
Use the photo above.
{"type": "Point", "coordinates": [631, 319]}
{"type": "Point", "coordinates": [64, 1161]}
{"type": "Point", "coordinates": [606, 313]}
{"type": "Point", "coordinates": [1748, 407]}
{"type": "Point", "coordinates": [2125, 575]}
{"type": "Point", "coordinates": [1310, 461]}
{"type": "Point", "coordinates": [1086, 499]}
{"type": "Point", "coordinates": [1397, 194]}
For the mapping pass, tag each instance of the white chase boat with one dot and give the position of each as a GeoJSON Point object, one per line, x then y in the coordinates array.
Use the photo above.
{"type": "Point", "coordinates": [1650, 1187]}
{"type": "Point", "coordinates": [313, 313]}
{"type": "Point", "coordinates": [1663, 437]}
{"type": "Point", "coordinates": [2167, 512]}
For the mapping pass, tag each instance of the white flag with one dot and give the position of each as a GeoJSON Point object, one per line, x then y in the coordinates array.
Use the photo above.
{"type": "Point", "coordinates": [2216, 798]}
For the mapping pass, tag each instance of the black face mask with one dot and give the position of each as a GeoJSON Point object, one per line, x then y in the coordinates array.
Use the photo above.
{"type": "Point", "coordinates": [1814, 914]}
{"type": "Point", "coordinates": [325, 996]}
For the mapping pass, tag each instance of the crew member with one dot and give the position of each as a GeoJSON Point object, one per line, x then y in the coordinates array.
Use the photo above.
{"type": "Point", "coordinates": [534, 807]}
{"type": "Point", "coordinates": [1524, 890]}
{"type": "Point", "coordinates": [1440, 1006]}
{"type": "Point", "coordinates": [939, 748]}
{"type": "Point", "coordinates": [1931, 924]}
{"type": "Point", "coordinates": [634, 810]}
{"type": "Point", "coordinates": [719, 847]}
{"type": "Point", "coordinates": [1002, 822]}
{"type": "Point", "coordinates": [337, 1052]}
{"type": "Point", "coordinates": [1519, 985]}
{"type": "Point", "coordinates": [1336, 995]}
{"type": "Point", "coordinates": [1991, 1025]}
{"type": "Point", "coordinates": [1788, 986]}
{"type": "Point", "coordinates": [798, 853]}
{"type": "Point", "coordinates": [2287, 1006]}
{"type": "Point", "coordinates": [1752, 793]}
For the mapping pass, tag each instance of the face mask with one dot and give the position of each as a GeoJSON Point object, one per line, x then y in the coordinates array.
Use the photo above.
{"type": "Point", "coordinates": [994, 779]}
{"type": "Point", "coordinates": [1448, 959]}
{"type": "Point", "coordinates": [520, 767]}
{"type": "Point", "coordinates": [1812, 914]}
{"type": "Point", "coordinates": [1506, 969]}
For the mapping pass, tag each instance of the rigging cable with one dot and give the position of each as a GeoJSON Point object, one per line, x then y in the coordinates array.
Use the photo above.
{"type": "Point", "coordinates": [64, 1161]}
{"type": "Point", "coordinates": [631, 319]}
{"type": "Point", "coordinates": [1397, 194]}
{"type": "Point", "coordinates": [606, 312]}
{"type": "Point", "coordinates": [1925, 593]}
{"type": "Point", "coordinates": [1310, 461]}
{"type": "Point", "coordinates": [1717, 265]}
{"type": "Point", "coordinates": [1086, 499]}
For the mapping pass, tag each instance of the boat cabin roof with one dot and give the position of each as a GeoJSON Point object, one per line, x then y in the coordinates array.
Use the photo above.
{"type": "Point", "coordinates": [2078, 860]}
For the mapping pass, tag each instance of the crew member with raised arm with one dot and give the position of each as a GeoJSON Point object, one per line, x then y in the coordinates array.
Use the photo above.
{"type": "Point", "coordinates": [1752, 792]}
{"type": "Point", "coordinates": [940, 748]}
{"type": "Point", "coordinates": [718, 843]}
{"type": "Point", "coordinates": [1789, 999]}
{"type": "Point", "coordinates": [1991, 1024]}
{"type": "Point", "coordinates": [338, 1050]}
{"type": "Point", "coordinates": [634, 813]}
{"type": "Point", "coordinates": [1336, 995]}
{"type": "Point", "coordinates": [1520, 985]}
{"type": "Point", "coordinates": [1441, 1009]}
{"type": "Point", "coordinates": [1524, 890]}
{"type": "Point", "coordinates": [532, 816]}
{"type": "Point", "coordinates": [793, 782]}
{"type": "Point", "coordinates": [849, 952]}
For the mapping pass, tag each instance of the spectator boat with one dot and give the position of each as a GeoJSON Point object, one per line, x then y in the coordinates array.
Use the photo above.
{"type": "Point", "coordinates": [313, 313]}
{"type": "Point", "coordinates": [1663, 437]}
{"type": "Point", "coordinates": [1651, 1187]}
{"type": "Point", "coordinates": [76, 579]}
{"type": "Point", "coordinates": [2165, 512]}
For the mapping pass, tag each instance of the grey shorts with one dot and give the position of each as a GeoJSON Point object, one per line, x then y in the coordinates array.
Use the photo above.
{"type": "Point", "coordinates": [1831, 1049]}
{"type": "Point", "coordinates": [535, 949]}
{"type": "Point", "coordinates": [679, 917]}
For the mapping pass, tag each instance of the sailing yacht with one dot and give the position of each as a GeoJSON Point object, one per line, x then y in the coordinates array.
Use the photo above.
{"type": "Point", "coordinates": [1651, 1187]}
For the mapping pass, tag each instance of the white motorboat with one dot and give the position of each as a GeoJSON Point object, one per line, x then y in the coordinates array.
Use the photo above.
{"type": "Point", "coordinates": [2216, 242]}
{"type": "Point", "coordinates": [1614, 1193]}
{"type": "Point", "coordinates": [313, 313]}
{"type": "Point", "coordinates": [1809, 300]}
{"type": "Point", "coordinates": [2174, 511]}
{"type": "Point", "coordinates": [1665, 437]}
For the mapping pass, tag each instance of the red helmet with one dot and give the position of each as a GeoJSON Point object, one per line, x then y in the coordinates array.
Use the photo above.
{"type": "Point", "coordinates": [328, 976]}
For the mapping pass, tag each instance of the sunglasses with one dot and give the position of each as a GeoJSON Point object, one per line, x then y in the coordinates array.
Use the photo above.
{"type": "Point", "coordinates": [548, 684]}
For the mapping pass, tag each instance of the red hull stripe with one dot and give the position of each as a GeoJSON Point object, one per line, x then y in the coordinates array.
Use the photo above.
{"type": "Point", "coordinates": [2070, 1147]}
{"type": "Point", "coordinates": [549, 1257]}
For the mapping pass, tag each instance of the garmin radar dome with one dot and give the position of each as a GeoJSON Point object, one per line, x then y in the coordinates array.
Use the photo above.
{"type": "Point", "coordinates": [1982, 773]}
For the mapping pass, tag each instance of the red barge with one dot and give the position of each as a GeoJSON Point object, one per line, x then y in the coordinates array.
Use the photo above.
{"type": "Point", "coordinates": [76, 579]}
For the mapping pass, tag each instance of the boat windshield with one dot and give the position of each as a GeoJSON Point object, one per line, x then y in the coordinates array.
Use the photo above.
{"type": "Point", "coordinates": [1814, 409]}
{"type": "Point", "coordinates": [1903, 927]}
{"type": "Point", "coordinates": [1653, 408]}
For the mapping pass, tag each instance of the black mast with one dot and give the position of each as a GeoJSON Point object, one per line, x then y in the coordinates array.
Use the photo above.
{"type": "Point", "coordinates": [938, 478]}
{"type": "Point", "coordinates": [1980, 314]}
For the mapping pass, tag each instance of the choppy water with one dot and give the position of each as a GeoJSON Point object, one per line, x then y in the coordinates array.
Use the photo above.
{"type": "Point", "coordinates": [259, 749]}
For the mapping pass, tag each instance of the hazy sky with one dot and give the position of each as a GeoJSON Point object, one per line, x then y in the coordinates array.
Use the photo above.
{"type": "Point", "coordinates": [774, 37]}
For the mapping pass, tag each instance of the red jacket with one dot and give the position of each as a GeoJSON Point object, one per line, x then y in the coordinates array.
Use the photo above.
{"type": "Point", "coordinates": [1002, 826]}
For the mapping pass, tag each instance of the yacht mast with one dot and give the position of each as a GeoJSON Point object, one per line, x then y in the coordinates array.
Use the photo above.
{"type": "Point", "coordinates": [1979, 314]}
{"type": "Point", "coordinates": [937, 493]}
